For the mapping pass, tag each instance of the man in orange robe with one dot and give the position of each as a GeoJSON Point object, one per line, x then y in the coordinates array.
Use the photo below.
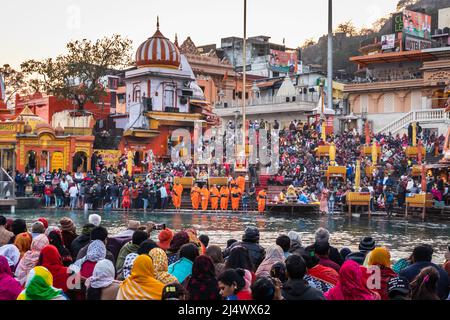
{"type": "Point", "coordinates": [262, 195]}
{"type": "Point", "coordinates": [195, 197]}
{"type": "Point", "coordinates": [177, 191]}
{"type": "Point", "coordinates": [235, 198]}
{"type": "Point", "coordinates": [205, 197]}
{"type": "Point", "coordinates": [224, 198]}
{"type": "Point", "coordinates": [214, 195]}
{"type": "Point", "coordinates": [240, 181]}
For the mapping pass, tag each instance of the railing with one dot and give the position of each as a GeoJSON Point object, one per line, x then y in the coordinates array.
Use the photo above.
{"type": "Point", "coordinates": [313, 98]}
{"type": "Point", "coordinates": [433, 115]}
{"type": "Point", "coordinates": [6, 185]}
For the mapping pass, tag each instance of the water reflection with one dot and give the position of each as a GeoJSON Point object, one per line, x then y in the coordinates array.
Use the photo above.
{"type": "Point", "coordinates": [399, 236]}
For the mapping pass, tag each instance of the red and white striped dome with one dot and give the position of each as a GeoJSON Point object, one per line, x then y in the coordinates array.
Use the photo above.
{"type": "Point", "coordinates": [158, 51]}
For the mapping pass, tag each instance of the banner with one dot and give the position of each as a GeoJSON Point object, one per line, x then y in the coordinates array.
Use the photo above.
{"type": "Point", "coordinates": [284, 62]}
{"type": "Point", "coordinates": [388, 42]}
{"type": "Point", "coordinates": [417, 24]}
{"type": "Point", "coordinates": [412, 44]}
{"type": "Point", "coordinates": [110, 157]}
{"type": "Point", "coordinates": [57, 161]}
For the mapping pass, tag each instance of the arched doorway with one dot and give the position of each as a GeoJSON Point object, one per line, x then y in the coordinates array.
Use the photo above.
{"type": "Point", "coordinates": [31, 160]}
{"type": "Point", "coordinates": [80, 162]}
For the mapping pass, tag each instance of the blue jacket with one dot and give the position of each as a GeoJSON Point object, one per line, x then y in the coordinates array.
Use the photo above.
{"type": "Point", "coordinates": [413, 270]}
{"type": "Point", "coordinates": [181, 269]}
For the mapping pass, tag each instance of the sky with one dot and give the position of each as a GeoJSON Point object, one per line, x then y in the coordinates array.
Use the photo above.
{"type": "Point", "coordinates": [40, 29]}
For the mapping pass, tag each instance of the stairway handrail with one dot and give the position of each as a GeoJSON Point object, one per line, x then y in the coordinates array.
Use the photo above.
{"type": "Point", "coordinates": [435, 114]}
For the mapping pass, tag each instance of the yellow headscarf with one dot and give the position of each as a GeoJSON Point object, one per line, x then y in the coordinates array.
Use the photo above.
{"type": "Point", "coordinates": [141, 284]}
{"type": "Point", "coordinates": [161, 264]}
{"type": "Point", "coordinates": [380, 257]}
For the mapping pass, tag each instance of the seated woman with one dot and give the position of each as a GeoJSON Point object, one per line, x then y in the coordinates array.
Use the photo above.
{"type": "Point", "coordinates": [39, 286]}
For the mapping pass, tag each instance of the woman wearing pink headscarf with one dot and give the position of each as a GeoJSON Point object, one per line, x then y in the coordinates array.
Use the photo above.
{"type": "Point", "coordinates": [274, 254]}
{"type": "Point", "coordinates": [30, 258]}
{"type": "Point", "coordinates": [246, 292]}
{"type": "Point", "coordinates": [351, 285]}
{"type": "Point", "coordinates": [10, 288]}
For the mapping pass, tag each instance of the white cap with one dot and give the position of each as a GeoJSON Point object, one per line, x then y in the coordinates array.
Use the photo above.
{"type": "Point", "coordinates": [95, 219]}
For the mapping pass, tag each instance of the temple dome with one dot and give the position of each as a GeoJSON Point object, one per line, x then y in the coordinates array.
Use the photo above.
{"type": "Point", "coordinates": [158, 51]}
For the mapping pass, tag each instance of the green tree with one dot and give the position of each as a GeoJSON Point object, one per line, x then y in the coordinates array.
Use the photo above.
{"type": "Point", "coordinates": [76, 75]}
{"type": "Point", "coordinates": [348, 28]}
{"type": "Point", "coordinates": [308, 42]}
{"type": "Point", "coordinates": [15, 82]}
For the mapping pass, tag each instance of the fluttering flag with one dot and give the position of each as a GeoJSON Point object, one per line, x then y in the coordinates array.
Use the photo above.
{"type": "Point", "coordinates": [2, 88]}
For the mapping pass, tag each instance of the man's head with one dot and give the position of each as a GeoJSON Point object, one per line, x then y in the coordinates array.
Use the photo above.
{"type": "Point", "coordinates": [37, 227]}
{"type": "Point", "coordinates": [295, 267]}
{"type": "Point", "coordinates": [322, 235]}
{"type": "Point", "coordinates": [422, 253]}
{"type": "Point", "coordinates": [189, 251]}
{"type": "Point", "coordinates": [99, 233]}
{"type": "Point", "coordinates": [2, 221]}
{"type": "Point", "coordinates": [139, 236]}
{"type": "Point", "coordinates": [95, 219]}
{"type": "Point", "coordinates": [322, 248]}
{"type": "Point", "coordinates": [204, 239]}
{"type": "Point", "coordinates": [284, 242]}
{"type": "Point", "coordinates": [367, 244]}
{"type": "Point", "coordinates": [251, 234]}
{"type": "Point", "coordinates": [263, 289]}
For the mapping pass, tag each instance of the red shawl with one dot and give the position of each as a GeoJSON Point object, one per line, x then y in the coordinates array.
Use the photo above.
{"type": "Point", "coordinates": [326, 274]}
{"type": "Point", "coordinates": [51, 259]}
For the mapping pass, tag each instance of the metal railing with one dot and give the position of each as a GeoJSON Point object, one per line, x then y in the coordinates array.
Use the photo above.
{"type": "Point", "coordinates": [432, 115]}
{"type": "Point", "coordinates": [7, 185]}
{"type": "Point", "coordinates": [313, 98]}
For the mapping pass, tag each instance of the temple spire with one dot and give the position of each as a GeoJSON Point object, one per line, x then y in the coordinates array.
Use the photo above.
{"type": "Point", "coordinates": [176, 41]}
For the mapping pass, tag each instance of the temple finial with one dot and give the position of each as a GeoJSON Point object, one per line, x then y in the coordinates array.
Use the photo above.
{"type": "Point", "coordinates": [157, 22]}
{"type": "Point", "coordinates": [176, 40]}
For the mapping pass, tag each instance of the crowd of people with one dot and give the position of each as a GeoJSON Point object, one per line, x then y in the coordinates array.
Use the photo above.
{"type": "Point", "coordinates": [63, 262]}
{"type": "Point", "coordinates": [302, 170]}
{"type": "Point", "coordinates": [301, 173]}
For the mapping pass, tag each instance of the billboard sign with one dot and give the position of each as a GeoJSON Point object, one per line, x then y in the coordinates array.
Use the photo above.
{"type": "Point", "coordinates": [283, 62]}
{"type": "Point", "coordinates": [417, 24]}
{"type": "Point", "coordinates": [413, 43]}
{"type": "Point", "coordinates": [398, 23]}
{"type": "Point", "coordinates": [388, 42]}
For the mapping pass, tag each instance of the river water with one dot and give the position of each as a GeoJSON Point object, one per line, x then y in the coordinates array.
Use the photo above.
{"type": "Point", "coordinates": [399, 235]}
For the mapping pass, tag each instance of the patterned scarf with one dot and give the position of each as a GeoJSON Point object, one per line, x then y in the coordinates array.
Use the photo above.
{"type": "Point", "coordinates": [128, 264]}
{"type": "Point", "coordinates": [160, 262]}
{"type": "Point", "coordinates": [95, 252]}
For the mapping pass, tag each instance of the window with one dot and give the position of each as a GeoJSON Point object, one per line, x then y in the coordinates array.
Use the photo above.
{"type": "Point", "coordinates": [137, 93]}
{"type": "Point", "coordinates": [169, 97]}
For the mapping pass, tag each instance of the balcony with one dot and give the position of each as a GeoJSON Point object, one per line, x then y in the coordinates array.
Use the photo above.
{"type": "Point", "coordinates": [264, 105]}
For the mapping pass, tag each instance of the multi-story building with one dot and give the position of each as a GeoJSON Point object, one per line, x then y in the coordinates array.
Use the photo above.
{"type": "Point", "coordinates": [400, 79]}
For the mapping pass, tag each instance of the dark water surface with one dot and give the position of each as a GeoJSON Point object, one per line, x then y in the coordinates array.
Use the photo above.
{"type": "Point", "coordinates": [399, 235]}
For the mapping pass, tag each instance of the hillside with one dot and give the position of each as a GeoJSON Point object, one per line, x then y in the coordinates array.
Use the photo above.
{"type": "Point", "coordinates": [347, 46]}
